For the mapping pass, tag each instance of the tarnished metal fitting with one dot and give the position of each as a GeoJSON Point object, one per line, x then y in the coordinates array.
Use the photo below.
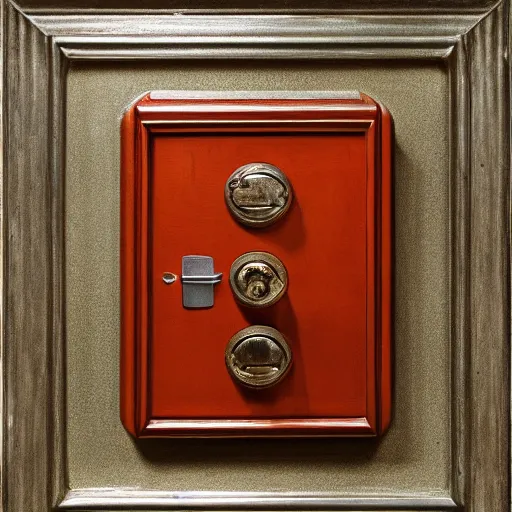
{"type": "Point", "coordinates": [258, 194]}
{"type": "Point", "coordinates": [258, 357]}
{"type": "Point", "coordinates": [258, 279]}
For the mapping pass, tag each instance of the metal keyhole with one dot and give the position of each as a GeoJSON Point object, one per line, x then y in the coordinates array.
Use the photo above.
{"type": "Point", "coordinates": [258, 279]}
{"type": "Point", "coordinates": [255, 279]}
{"type": "Point", "coordinates": [258, 356]}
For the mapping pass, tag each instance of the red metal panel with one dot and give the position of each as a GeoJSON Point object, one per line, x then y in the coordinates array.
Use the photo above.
{"type": "Point", "coordinates": [335, 242]}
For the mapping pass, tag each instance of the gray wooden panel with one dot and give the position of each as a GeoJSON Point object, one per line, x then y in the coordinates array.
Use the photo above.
{"type": "Point", "coordinates": [27, 300]}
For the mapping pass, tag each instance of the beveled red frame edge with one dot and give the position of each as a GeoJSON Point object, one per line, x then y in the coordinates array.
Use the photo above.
{"type": "Point", "coordinates": [134, 411]}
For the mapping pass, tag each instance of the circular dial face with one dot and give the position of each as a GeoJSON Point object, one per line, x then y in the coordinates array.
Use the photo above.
{"type": "Point", "coordinates": [258, 194]}
{"type": "Point", "coordinates": [258, 357]}
{"type": "Point", "coordinates": [258, 279]}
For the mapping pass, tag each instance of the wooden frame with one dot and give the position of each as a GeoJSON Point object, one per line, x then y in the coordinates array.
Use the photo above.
{"type": "Point", "coordinates": [37, 50]}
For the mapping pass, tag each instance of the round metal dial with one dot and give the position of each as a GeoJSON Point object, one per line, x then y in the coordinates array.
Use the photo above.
{"type": "Point", "coordinates": [258, 279]}
{"type": "Point", "coordinates": [258, 194]}
{"type": "Point", "coordinates": [258, 357]}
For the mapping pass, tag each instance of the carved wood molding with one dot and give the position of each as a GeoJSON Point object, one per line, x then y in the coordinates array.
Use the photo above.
{"type": "Point", "coordinates": [37, 51]}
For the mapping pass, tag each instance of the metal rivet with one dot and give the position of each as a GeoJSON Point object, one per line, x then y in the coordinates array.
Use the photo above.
{"type": "Point", "coordinates": [258, 357]}
{"type": "Point", "coordinates": [258, 194]}
{"type": "Point", "coordinates": [169, 278]}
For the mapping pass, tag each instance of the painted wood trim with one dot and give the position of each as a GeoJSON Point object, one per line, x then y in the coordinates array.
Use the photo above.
{"type": "Point", "coordinates": [147, 117]}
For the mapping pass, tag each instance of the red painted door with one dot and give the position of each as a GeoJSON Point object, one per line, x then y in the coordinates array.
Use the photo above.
{"type": "Point", "coordinates": [335, 242]}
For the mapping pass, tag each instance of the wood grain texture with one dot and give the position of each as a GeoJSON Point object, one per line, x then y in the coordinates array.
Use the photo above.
{"type": "Point", "coordinates": [57, 366]}
{"type": "Point", "coordinates": [471, 42]}
{"type": "Point", "coordinates": [459, 162]}
{"type": "Point", "coordinates": [488, 372]}
{"type": "Point", "coordinates": [107, 38]}
{"type": "Point", "coordinates": [27, 250]}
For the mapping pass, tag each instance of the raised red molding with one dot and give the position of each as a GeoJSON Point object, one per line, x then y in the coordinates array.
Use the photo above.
{"type": "Point", "coordinates": [336, 242]}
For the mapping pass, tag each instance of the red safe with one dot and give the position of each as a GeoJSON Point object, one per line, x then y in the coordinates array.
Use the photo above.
{"type": "Point", "coordinates": [256, 265]}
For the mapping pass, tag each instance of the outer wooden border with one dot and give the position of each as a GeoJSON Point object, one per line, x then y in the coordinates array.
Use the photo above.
{"type": "Point", "coordinates": [36, 52]}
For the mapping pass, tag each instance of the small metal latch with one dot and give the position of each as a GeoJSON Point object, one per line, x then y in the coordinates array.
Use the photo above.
{"type": "Point", "coordinates": [198, 278]}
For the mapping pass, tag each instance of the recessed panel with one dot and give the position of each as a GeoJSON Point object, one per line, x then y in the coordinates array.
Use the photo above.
{"type": "Point", "coordinates": [322, 241]}
{"type": "Point", "coordinates": [414, 455]}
